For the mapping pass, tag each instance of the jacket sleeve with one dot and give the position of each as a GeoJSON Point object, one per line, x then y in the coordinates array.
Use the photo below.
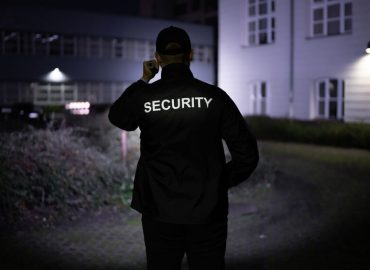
{"type": "Point", "coordinates": [125, 112]}
{"type": "Point", "coordinates": [241, 143]}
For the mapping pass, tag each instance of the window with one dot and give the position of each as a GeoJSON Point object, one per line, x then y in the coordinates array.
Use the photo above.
{"type": "Point", "coordinates": [258, 98]}
{"type": "Point", "coordinates": [69, 45]}
{"type": "Point", "coordinates": [107, 48]}
{"type": "Point", "coordinates": [55, 45]}
{"type": "Point", "coordinates": [94, 47]}
{"type": "Point", "coordinates": [82, 46]}
{"type": "Point", "coordinates": [331, 17]}
{"type": "Point", "coordinates": [203, 54]}
{"type": "Point", "coordinates": [260, 22]}
{"type": "Point", "coordinates": [10, 42]}
{"type": "Point", "coordinates": [54, 93]}
{"type": "Point", "coordinates": [40, 44]}
{"type": "Point", "coordinates": [26, 47]}
{"type": "Point", "coordinates": [330, 99]}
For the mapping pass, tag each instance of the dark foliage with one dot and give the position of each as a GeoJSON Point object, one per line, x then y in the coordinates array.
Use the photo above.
{"type": "Point", "coordinates": [332, 133]}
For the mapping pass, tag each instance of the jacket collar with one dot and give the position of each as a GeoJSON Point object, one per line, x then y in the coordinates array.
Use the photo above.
{"type": "Point", "coordinates": [176, 71]}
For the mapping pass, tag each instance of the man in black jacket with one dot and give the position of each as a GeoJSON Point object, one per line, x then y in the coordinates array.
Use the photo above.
{"type": "Point", "coordinates": [181, 182]}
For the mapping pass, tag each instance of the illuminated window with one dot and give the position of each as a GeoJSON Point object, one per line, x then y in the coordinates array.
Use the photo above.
{"type": "Point", "coordinates": [330, 99]}
{"type": "Point", "coordinates": [258, 98]}
{"type": "Point", "coordinates": [260, 23]}
{"type": "Point", "coordinates": [331, 17]}
{"type": "Point", "coordinates": [48, 94]}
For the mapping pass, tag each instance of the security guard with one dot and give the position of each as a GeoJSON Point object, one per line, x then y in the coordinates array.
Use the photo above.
{"type": "Point", "coordinates": [182, 179]}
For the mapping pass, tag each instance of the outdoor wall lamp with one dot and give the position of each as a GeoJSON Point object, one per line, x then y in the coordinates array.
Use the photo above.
{"type": "Point", "coordinates": [368, 48]}
{"type": "Point", "coordinates": [56, 76]}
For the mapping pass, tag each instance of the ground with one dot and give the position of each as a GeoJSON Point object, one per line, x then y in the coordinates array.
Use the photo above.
{"type": "Point", "coordinates": [311, 212]}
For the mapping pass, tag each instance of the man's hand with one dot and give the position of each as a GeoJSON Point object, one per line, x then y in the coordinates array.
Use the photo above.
{"type": "Point", "coordinates": [150, 68]}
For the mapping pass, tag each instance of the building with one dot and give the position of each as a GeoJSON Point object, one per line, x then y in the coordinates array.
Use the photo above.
{"type": "Point", "coordinates": [302, 59]}
{"type": "Point", "coordinates": [53, 57]}
{"type": "Point", "coordinates": [196, 11]}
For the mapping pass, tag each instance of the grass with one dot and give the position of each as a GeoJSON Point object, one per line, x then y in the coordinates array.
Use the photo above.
{"type": "Point", "coordinates": [296, 187]}
{"type": "Point", "coordinates": [340, 179]}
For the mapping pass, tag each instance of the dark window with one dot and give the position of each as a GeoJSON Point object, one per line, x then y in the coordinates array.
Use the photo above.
{"type": "Point", "coordinates": [318, 14]}
{"type": "Point", "coordinates": [334, 11]}
{"type": "Point", "coordinates": [263, 9]}
{"type": "Point", "coordinates": [263, 38]}
{"type": "Point", "coordinates": [55, 45]}
{"type": "Point", "coordinates": [262, 24]}
{"type": "Point", "coordinates": [333, 28]}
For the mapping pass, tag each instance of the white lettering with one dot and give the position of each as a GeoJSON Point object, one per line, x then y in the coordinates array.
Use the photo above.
{"type": "Point", "coordinates": [173, 104]}
{"type": "Point", "coordinates": [199, 99]}
{"type": "Point", "coordinates": [185, 101]}
{"type": "Point", "coordinates": [147, 107]}
{"type": "Point", "coordinates": [156, 105]}
{"type": "Point", "coordinates": [208, 101]}
{"type": "Point", "coordinates": [162, 104]}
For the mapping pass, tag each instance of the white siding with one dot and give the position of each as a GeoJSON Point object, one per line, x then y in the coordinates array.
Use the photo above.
{"type": "Point", "coordinates": [240, 65]}
{"type": "Point", "coordinates": [340, 57]}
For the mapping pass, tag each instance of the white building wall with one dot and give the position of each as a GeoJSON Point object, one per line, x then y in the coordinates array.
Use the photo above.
{"type": "Point", "coordinates": [240, 65]}
{"type": "Point", "coordinates": [340, 57]}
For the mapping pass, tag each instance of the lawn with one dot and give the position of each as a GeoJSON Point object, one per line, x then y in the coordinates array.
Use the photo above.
{"type": "Point", "coordinates": [314, 208]}
{"type": "Point", "coordinates": [309, 208]}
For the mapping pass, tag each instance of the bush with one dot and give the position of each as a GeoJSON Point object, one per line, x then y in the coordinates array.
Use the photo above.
{"type": "Point", "coordinates": [354, 135]}
{"type": "Point", "coordinates": [56, 171]}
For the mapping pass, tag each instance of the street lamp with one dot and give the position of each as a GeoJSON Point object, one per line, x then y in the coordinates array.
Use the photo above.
{"type": "Point", "coordinates": [368, 48]}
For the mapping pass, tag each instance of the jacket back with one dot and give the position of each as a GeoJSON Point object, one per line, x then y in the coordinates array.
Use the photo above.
{"type": "Point", "coordinates": [181, 175]}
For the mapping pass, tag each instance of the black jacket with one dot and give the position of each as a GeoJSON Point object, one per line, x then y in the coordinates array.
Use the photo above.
{"type": "Point", "coordinates": [181, 175]}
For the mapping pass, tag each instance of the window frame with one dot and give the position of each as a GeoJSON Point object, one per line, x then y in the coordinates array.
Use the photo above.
{"type": "Point", "coordinates": [257, 99]}
{"type": "Point", "coordinates": [327, 99]}
{"type": "Point", "coordinates": [324, 6]}
{"type": "Point", "coordinates": [269, 16]}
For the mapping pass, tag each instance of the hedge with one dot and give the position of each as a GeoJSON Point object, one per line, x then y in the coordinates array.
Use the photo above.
{"type": "Point", "coordinates": [320, 132]}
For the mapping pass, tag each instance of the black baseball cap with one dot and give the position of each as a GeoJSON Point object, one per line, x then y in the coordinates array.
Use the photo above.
{"type": "Point", "coordinates": [174, 36]}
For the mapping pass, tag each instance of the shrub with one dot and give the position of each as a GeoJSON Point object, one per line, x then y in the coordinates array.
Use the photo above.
{"type": "Point", "coordinates": [356, 135]}
{"type": "Point", "coordinates": [55, 171]}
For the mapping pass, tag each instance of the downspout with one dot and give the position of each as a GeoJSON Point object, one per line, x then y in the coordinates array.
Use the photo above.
{"type": "Point", "coordinates": [291, 61]}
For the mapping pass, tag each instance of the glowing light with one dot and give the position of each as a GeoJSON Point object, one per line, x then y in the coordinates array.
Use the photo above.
{"type": "Point", "coordinates": [56, 76]}
{"type": "Point", "coordinates": [368, 48]}
{"type": "Point", "coordinates": [77, 105]}
{"type": "Point", "coordinates": [33, 115]}
{"type": "Point", "coordinates": [78, 108]}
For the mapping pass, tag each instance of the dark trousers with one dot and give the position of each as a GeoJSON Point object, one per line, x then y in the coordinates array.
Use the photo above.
{"type": "Point", "coordinates": [166, 244]}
